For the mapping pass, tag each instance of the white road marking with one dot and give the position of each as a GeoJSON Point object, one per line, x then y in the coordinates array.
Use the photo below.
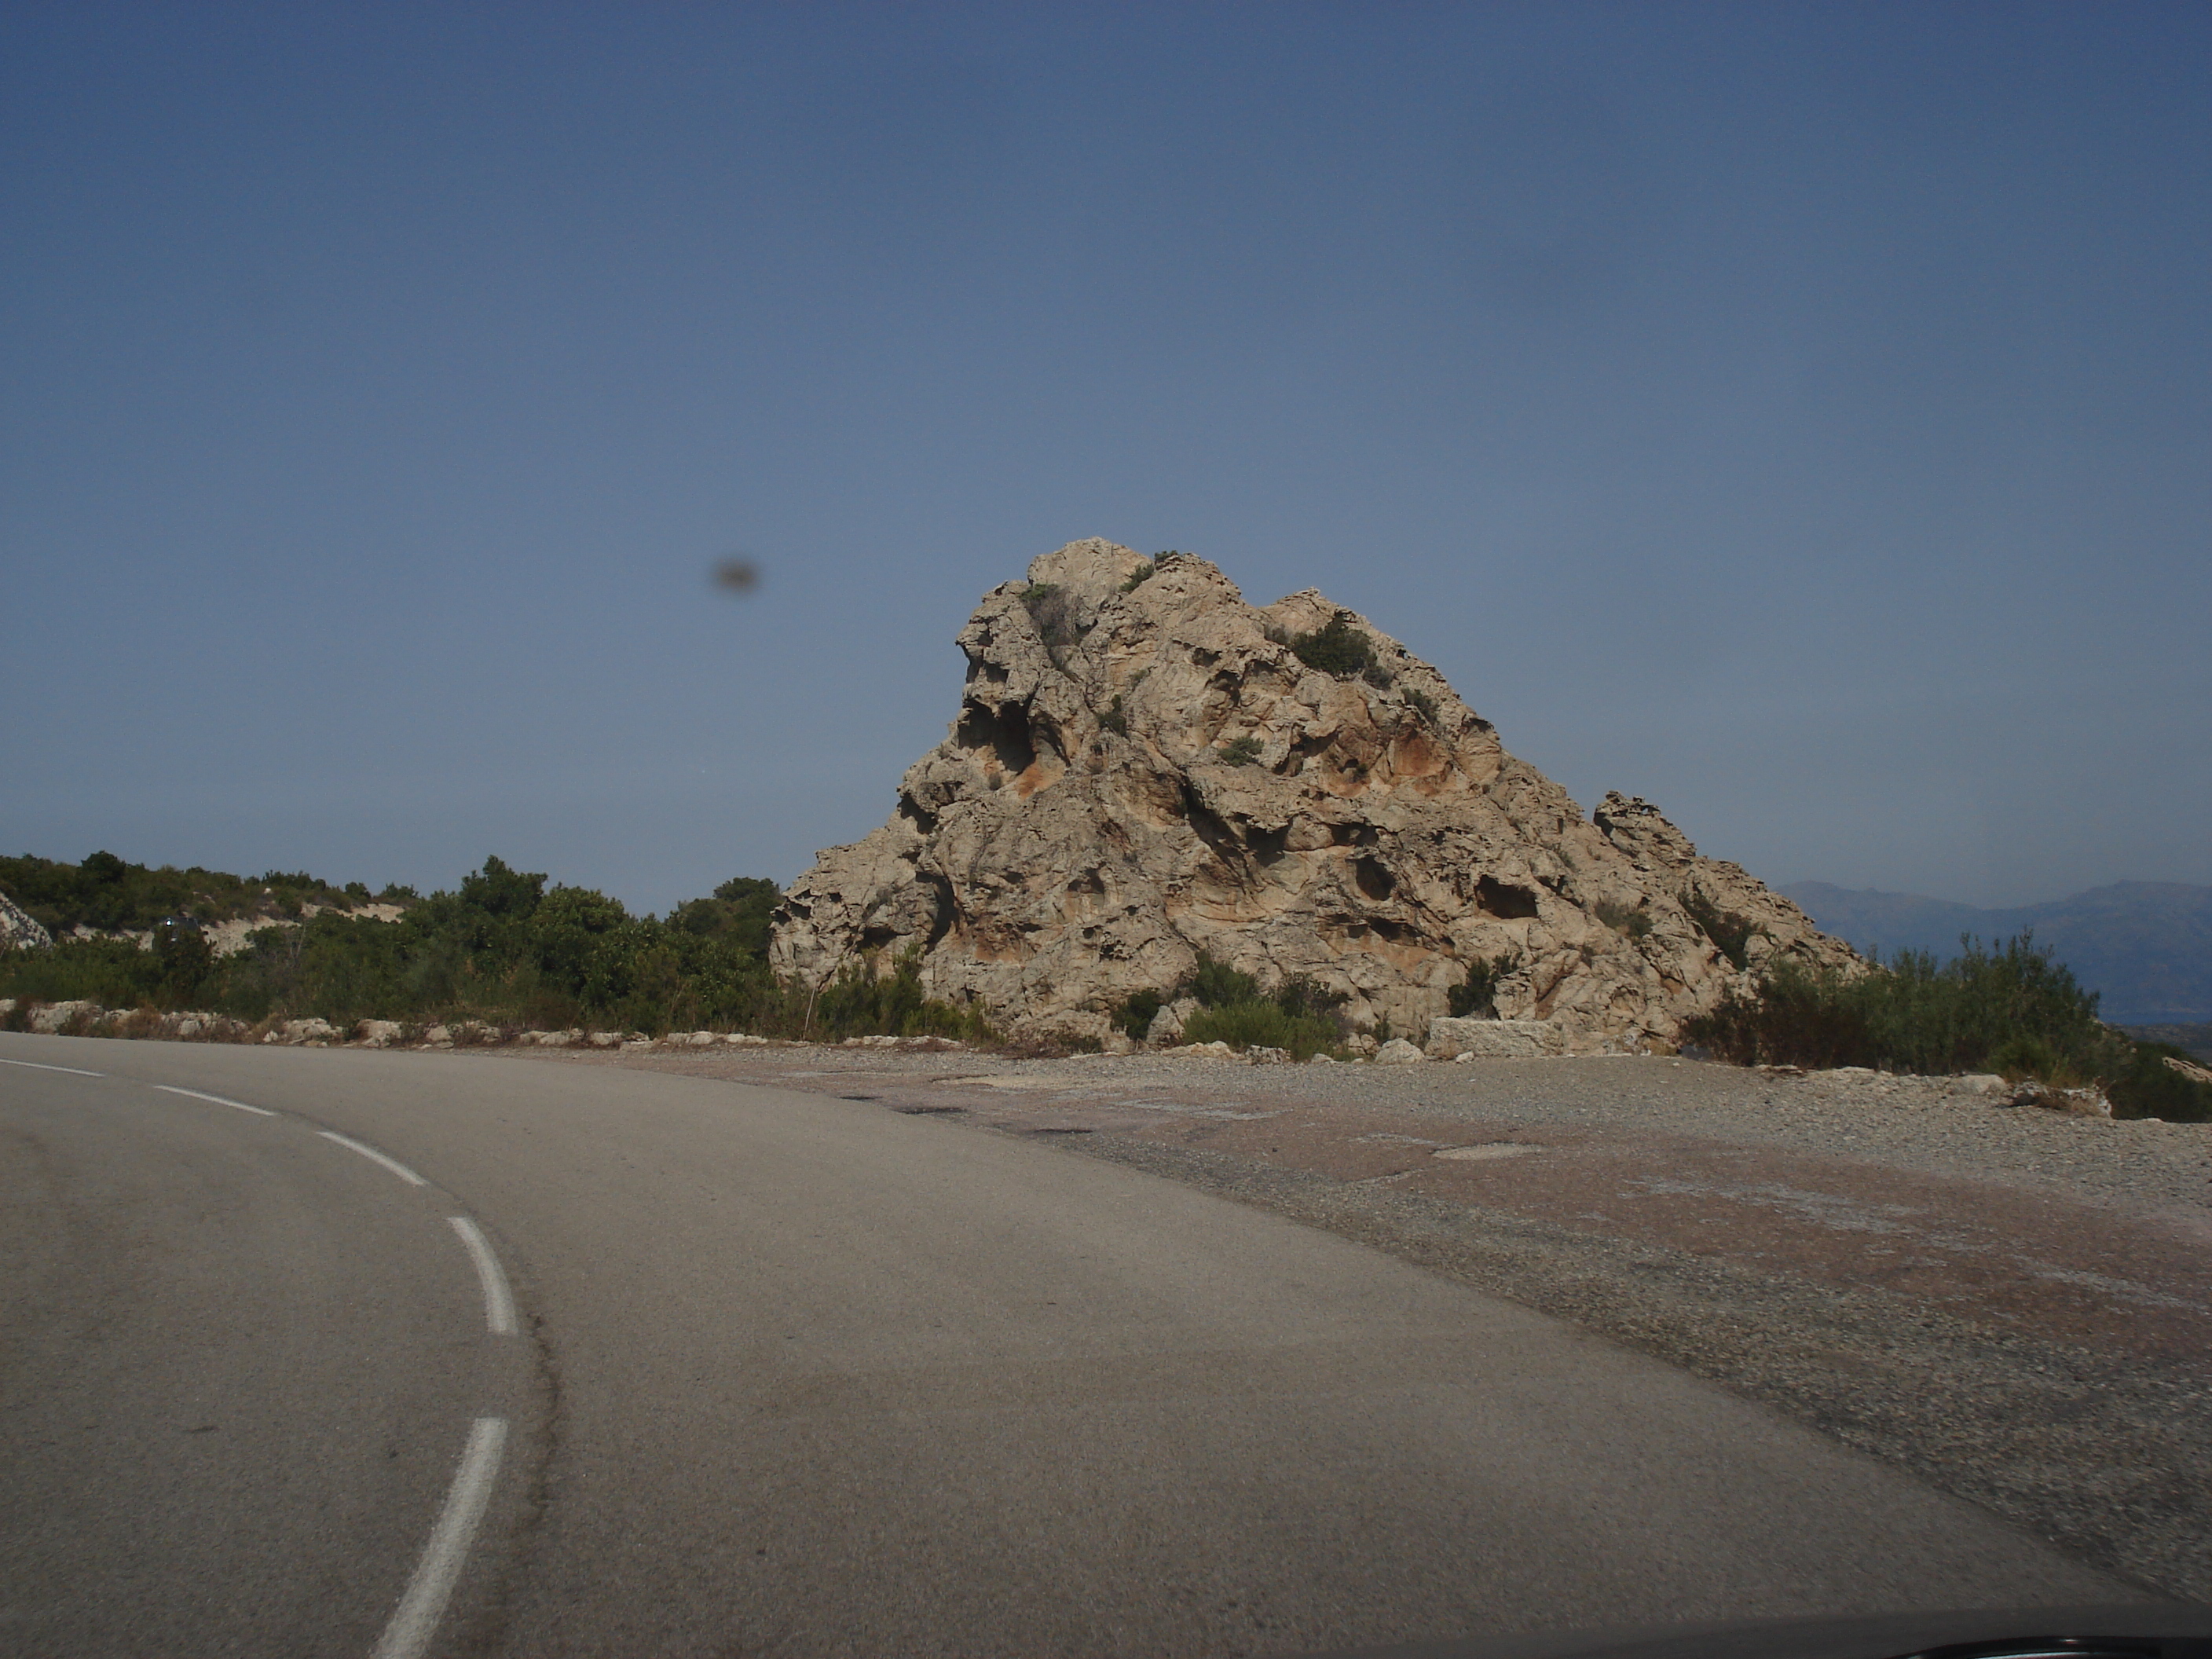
{"type": "Point", "coordinates": [375, 1156]}
{"type": "Point", "coordinates": [34, 1065]}
{"type": "Point", "coordinates": [499, 1301]}
{"type": "Point", "coordinates": [172, 1089]}
{"type": "Point", "coordinates": [415, 1621]}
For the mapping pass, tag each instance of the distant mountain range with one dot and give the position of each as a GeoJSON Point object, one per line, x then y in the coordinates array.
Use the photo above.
{"type": "Point", "coordinates": [2146, 946]}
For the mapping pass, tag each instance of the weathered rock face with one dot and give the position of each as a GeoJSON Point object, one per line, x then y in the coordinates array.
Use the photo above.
{"type": "Point", "coordinates": [20, 929]}
{"type": "Point", "coordinates": [1142, 768]}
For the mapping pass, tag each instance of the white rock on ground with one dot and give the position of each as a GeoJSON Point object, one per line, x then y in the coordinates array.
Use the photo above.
{"type": "Point", "coordinates": [1494, 1039]}
{"type": "Point", "coordinates": [19, 929]}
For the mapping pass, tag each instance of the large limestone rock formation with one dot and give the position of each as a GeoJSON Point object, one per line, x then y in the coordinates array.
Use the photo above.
{"type": "Point", "coordinates": [1143, 768]}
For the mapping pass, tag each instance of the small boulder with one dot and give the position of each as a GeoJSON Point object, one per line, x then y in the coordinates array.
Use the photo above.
{"type": "Point", "coordinates": [2075, 1102]}
{"type": "Point", "coordinates": [1204, 1051]}
{"type": "Point", "coordinates": [1399, 1052]}
{"type": "Point", "coordinates": [1494, 1039]}
{"type": "Point", "coordinates": [1166, 1029]}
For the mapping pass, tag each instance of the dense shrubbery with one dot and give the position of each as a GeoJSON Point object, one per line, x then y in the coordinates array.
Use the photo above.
{"type": "Point", "coordinates": [1477, 994]}
{"type": "Point", "coordinates": [1299, 1016]}
{"type": "Point", "coordinates": [108, 895]}
{"type": "Point", "coordinates": [503, 950]}
{"type": "Point", "coordinates": [1337, 647]}
{"type": "Point", "coordinates": [2011, 1009]}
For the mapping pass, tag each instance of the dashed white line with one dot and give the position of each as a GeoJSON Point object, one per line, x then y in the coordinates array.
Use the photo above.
{"type": "Point", "coordinates": [34, 1065]}
{"type": "Point", "coordinates": [374, 1156]}
{"type": "Point", "coordinates": [499, 1301]}
{"type": "Point", "coordinates": [172, 1089]}
{"type": "Point", "coordinates": [417, 1620]}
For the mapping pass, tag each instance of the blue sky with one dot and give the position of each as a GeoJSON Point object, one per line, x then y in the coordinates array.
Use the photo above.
{"type": "Point", "coordinates": [1799, 416]}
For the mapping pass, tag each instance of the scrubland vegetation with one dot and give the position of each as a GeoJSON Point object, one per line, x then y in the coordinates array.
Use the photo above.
{"type": "Point", "coordinates": [1298, 1017]}
{"type": "Point", "coordinates": [2010, 1009]}
{"type": "Point", "coordinates": [502, 949]}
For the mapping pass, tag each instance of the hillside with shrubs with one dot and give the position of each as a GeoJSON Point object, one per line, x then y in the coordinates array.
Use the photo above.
{"type": "Point", "coordinates": [502, 949]}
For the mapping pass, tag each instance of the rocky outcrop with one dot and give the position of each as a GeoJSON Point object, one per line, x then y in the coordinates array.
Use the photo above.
{"type": "Point", "coordinates": [1145, 767]}
{"type": "Point", "coordinates": [19, 929]}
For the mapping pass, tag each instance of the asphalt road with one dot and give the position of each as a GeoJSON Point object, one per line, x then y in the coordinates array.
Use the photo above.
{"type": "Point", "coordinates": [796, 1375]}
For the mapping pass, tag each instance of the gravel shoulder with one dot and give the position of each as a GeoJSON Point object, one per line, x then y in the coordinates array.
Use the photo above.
{"type": "Point", "coordinates": [2015, 1304]}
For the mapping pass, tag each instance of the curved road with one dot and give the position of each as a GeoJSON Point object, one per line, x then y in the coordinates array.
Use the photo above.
{"type": "Point", "coordinates": [455, 1355]}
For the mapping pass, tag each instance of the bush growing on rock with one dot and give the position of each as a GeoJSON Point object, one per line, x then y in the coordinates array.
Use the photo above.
{"type": "Point", "coordinates": [1336, 647]}
{"type": "Point", "coordinates": [1299, 1016]}
{"type": "Point", "coordinates": [1478, 993]}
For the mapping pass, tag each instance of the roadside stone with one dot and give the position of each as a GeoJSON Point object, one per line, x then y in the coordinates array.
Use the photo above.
{"type": "Point", "coordinates": [62, 1016]}
{"type": "Point", "coordinates": [377, 1033]}
{"type": "Point", "coordinates": [2075, 1102]}
{"type": "Point", "coordinates": [1166, 1029]}
{"type": "Point", "coordinates": [1399, 1052]}
{"type": "Point", "coordinates": [1979, 1084]}
{"type": "Point", "coordinates": [1494, 1039]}
{"type": "Point", "coordinates": [1204, 1051]}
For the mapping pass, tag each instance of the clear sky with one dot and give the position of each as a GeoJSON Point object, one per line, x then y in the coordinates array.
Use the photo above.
{"type": "Point", "coordinates": [1798, 414]}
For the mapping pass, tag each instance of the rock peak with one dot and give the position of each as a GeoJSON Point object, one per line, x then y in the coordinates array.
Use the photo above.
{"type": "Point", "coordinates": [1143, 766]}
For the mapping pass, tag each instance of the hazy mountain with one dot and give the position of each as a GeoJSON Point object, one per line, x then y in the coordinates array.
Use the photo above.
{"type": "Point", "coordinates": [2147, 945]}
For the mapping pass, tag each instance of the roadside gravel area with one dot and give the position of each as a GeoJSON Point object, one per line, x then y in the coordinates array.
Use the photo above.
{"type": "Point", "coordinates": [2013, 1303]}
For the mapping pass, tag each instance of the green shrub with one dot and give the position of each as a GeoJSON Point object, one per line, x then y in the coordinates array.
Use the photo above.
{"type": "Point", "coordinates": [1423, 703]}
{"type": "Point", "coordinates": [1265, 1025]}
{"type": "Point", "coordinates": [1300, 1016]}
{"type": "Point", "coordinates": [1133, 1013]}
{"type": "Point", "coordinates": [2150, 1088]}
{"type": "Point", "coordinates": [108, 895]}
{"type": "Point", "coordinates": [1143, 574]}
{"type": "Point", "coordinates": [863, 1001]}
{"type": "Point", "coordinates": [1241, 751]}
{"type": "Point", "coordinates": [1216, 984]}
{"type": "Point", "coordinates": [1627, 919]}
{"type": "Point", "coordinates": [1478, 993]}
{"type": "Point", "coordinates": [1731, 934]}
{"type": "Point", "coordinates": [1304, 998]}
{"type": "Point", "coordinates": [1338, 648]}
{"type": "Point", "coordinates": [1052, 608]}
{"type": "Point", "coordinates": [2013, 1008]}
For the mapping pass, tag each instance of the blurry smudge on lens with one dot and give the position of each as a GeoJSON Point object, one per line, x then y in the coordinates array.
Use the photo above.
{"type": "Point", "coordinates": [737, 576]}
